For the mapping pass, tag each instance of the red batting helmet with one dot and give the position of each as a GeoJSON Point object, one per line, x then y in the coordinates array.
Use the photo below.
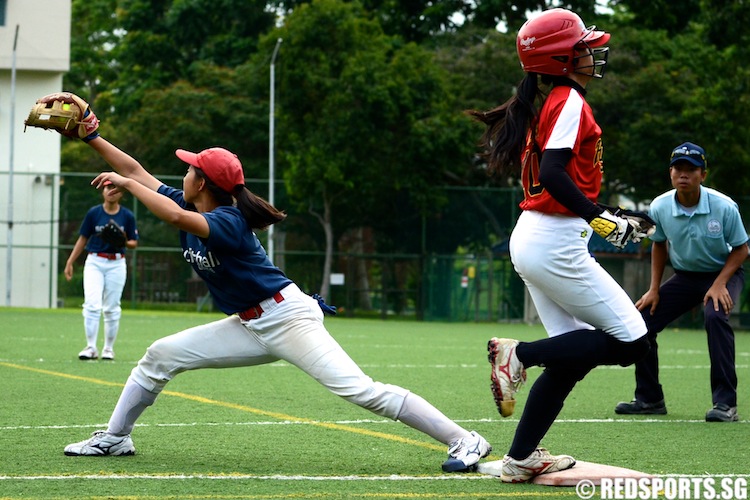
{"type": "Point", "coordinates": [547, 44]}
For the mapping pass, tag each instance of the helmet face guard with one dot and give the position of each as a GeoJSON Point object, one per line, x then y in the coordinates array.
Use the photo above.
{"type": "Point", "coordinates": [598, 55]}
{"type": "Point", "coordinates": [555, 42]}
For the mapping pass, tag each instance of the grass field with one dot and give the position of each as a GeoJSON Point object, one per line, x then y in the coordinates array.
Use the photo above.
{"type": "Point", "coordinates": [271, 432]}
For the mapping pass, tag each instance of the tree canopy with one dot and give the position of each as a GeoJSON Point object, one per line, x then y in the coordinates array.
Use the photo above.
{"type": "Point", "coordinates": [370, 100]}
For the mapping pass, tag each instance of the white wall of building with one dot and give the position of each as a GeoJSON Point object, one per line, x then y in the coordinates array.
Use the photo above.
{"type": "Point", "coordinates": [30, 161]}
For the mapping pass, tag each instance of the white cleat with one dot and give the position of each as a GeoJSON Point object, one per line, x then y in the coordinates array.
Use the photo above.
{"type": "Point", "coordinates": [464, 453]}
{"type": "Point", "coordinates": [100, 444]}
{"type": "Point", "coordinates": [88, 353]}
{"type": "Point", "coordinates": [108, 353]}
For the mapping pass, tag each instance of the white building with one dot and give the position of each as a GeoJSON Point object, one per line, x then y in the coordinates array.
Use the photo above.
{"type": "Point", "coordinates": [35, 40]}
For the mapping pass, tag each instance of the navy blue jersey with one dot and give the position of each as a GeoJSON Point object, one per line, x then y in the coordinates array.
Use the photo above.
{"type": "Point", "coordinates": [96, 218]}
{"type": "Point", "coordinates": [231, 260]}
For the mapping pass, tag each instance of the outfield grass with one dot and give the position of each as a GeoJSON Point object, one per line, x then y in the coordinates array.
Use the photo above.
{"type": "Point", "coordinates": [272, 432]}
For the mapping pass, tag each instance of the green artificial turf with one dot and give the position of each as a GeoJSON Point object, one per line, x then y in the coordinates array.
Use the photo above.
{"type": "Point", "coordinates": [272, 432]}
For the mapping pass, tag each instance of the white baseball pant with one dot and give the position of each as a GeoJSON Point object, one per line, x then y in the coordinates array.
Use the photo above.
{"type": "Point", "coordinates": [570, 289]}
{"type": "Point", "coordinates": [103, 283]}
{"type": "Point", "coordinates": [291, 330]}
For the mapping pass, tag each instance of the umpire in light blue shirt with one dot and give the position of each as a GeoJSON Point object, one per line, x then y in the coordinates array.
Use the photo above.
{"type": "Point", "coordinates": [699, 231]}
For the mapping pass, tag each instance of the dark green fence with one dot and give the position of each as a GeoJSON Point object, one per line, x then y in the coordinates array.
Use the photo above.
{"type": "Point", "coordinates": [428, 286]}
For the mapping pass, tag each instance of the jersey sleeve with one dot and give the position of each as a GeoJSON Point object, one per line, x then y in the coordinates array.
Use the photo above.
{"type": "Point", "coordinates": [567, 125]}
{"type": "Point", "coordinates": [88, 226]}
{"type": "Point", "coordinates": [225, 225]}
{"type": "Point", "coordinates": [656, 212]}
{"type": "Point", "coordinates": [735, 229]}
{"type": "Point", "coordinates": [176, 195]}
{"type": "Point", "coordinates": [131, 230]}
{"type": "Point", "coordinates": [555, 179]}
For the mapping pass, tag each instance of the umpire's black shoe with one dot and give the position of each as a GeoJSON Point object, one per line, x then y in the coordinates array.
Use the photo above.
{"type": "Point", "coordinates": [722, 413]}
{"type": "Point", "coordinates": [637, 407]}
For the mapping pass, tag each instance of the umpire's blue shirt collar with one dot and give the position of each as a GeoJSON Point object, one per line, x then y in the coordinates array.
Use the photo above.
{"type": "Point", "coordinates": [703, 206]}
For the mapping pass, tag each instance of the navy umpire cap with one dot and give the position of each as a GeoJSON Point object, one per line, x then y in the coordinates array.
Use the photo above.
{"type": "Point", "coordinates": [689, 152]}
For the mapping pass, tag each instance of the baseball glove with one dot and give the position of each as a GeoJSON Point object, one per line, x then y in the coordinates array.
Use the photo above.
{"type": "Point", "coordinates": [113, 235]}
{"type": "Point", "coordinates": [644, 225]}
{"type": "Point", "coordinates": [66, 113]}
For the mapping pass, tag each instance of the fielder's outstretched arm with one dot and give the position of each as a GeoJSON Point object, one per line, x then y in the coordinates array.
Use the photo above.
{"type": "Point", "coordinates": [123, 163]}
{"type": "Point", "coordinates": [161, 206]}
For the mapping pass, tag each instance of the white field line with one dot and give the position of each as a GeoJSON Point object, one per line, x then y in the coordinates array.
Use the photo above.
{"type": "Point", "coordinates": [410, 366]}
{"type": "Point", "coordinates": [278, 477]}
{"type": "Point", "coordinates": [364, 422]}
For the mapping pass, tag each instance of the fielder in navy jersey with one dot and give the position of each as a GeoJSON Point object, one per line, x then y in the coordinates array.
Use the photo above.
{"type": "Point", "coordinates": [104, 272]}
{"type": "Point", "coordinates": [553, 140]}
{"type": "Point", "coordinates": [269, 317]}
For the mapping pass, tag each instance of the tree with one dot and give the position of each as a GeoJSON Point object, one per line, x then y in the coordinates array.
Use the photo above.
{"type": "Point", "coordinates": [420, 20]}
{"type": "Point", "coordinates": [150, 44]}
{"type": "Point", "coordinates": [371, 124]}
{"type": "Point", "coordinates": [662, 90]}
{"type": "Point", "coordinates": [362, 118]}
{"type": "Point", "coordinates": [672, 16]}
{"type": "Point", "coordinates": [491, 13]}
{"type": "Point", "coordinates": [92, 38]}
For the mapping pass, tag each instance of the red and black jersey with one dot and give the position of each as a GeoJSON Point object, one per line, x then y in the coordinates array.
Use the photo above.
{"type": "Point", "coordinates": [565, 122]}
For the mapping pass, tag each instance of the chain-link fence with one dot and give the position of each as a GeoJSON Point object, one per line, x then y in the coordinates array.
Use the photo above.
{"type": "Point", "coordinates": [423, 286]}
{"type": "Point", "coordinates": [467, 286]}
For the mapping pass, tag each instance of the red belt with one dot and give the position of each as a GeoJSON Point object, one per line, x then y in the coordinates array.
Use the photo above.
{"type": "Point", "coordinates": [255, 311]}
{"type": "Point", "coordinates": [109, 256]}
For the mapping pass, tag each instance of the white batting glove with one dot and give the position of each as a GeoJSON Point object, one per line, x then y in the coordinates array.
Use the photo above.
{"type": "Point", "coordinates": [616, 230]}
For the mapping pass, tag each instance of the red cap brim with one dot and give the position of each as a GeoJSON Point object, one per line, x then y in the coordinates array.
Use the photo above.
{"type": "Point", "coordinates": [187, 157]}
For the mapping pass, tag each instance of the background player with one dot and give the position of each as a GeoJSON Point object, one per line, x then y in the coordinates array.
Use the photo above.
{"type": "Point", "coordinates": [104, 272]}
{"type": "Point", "coordinates": [700, 232]}
{"type": "Point", "coordinates": [270, 318]}
{"type": "Point", "coordinates": [590, 320]}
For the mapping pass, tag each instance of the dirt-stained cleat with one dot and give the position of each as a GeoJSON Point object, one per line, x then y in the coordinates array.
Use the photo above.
{"type": "Point", "coordinates": [539, 462]}
{"type": "Point", "coordinates": [508, 373]}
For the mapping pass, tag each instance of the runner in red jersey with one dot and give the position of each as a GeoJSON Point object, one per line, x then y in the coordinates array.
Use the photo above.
{"type": "Point", "coordinates": [565, 122]}
{"type": "Point", "coordinates": [557, 149]}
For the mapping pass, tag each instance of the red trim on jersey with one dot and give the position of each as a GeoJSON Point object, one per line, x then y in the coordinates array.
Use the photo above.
{"type": "Point", "coordinates": [565, 122]}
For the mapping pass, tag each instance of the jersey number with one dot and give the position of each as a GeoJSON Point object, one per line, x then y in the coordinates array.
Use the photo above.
{"type": "Point", "coordinates": [530, 170]}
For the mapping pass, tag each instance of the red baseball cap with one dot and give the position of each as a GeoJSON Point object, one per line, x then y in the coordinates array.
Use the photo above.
{"type": "Point", "coordinates": [220, 165]}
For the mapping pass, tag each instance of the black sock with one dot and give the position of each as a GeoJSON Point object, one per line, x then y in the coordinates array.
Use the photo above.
{"type": "Point", "coordinates": [545, 401]}
{"type": "Point", "coordinates": [581, 347]}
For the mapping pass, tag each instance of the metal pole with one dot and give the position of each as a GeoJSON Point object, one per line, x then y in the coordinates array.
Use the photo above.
{"type": "Point", "coordinates": [53, 249]}
{"type": "Point", "coordinates": [271, 157]}
{"type": "Point", "coordinates": [133, 264]}
{"type": "Point", "coordinates": [9, 258]}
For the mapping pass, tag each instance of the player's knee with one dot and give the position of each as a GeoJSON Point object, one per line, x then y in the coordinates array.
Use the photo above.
{"type": "Point", "coordinates": [711, 316]}
{"type": "Point", "coordinates": [92, 310]}
{"type": "Point", "coordinates": [632, 352]}
{"type": "Point", "coordinates": [112, 314]}
{"type": "Point", "coordinates": [156, 367]}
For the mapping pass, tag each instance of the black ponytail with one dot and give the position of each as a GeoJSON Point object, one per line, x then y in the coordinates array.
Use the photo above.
{"type": "Point", "coordinates": [258, 213]}
{"type": "Point", "coordinates": [507, 125]}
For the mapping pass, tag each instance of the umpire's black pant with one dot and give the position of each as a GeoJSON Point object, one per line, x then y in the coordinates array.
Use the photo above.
{"type": "Point", "coordinates": [678, 295]}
